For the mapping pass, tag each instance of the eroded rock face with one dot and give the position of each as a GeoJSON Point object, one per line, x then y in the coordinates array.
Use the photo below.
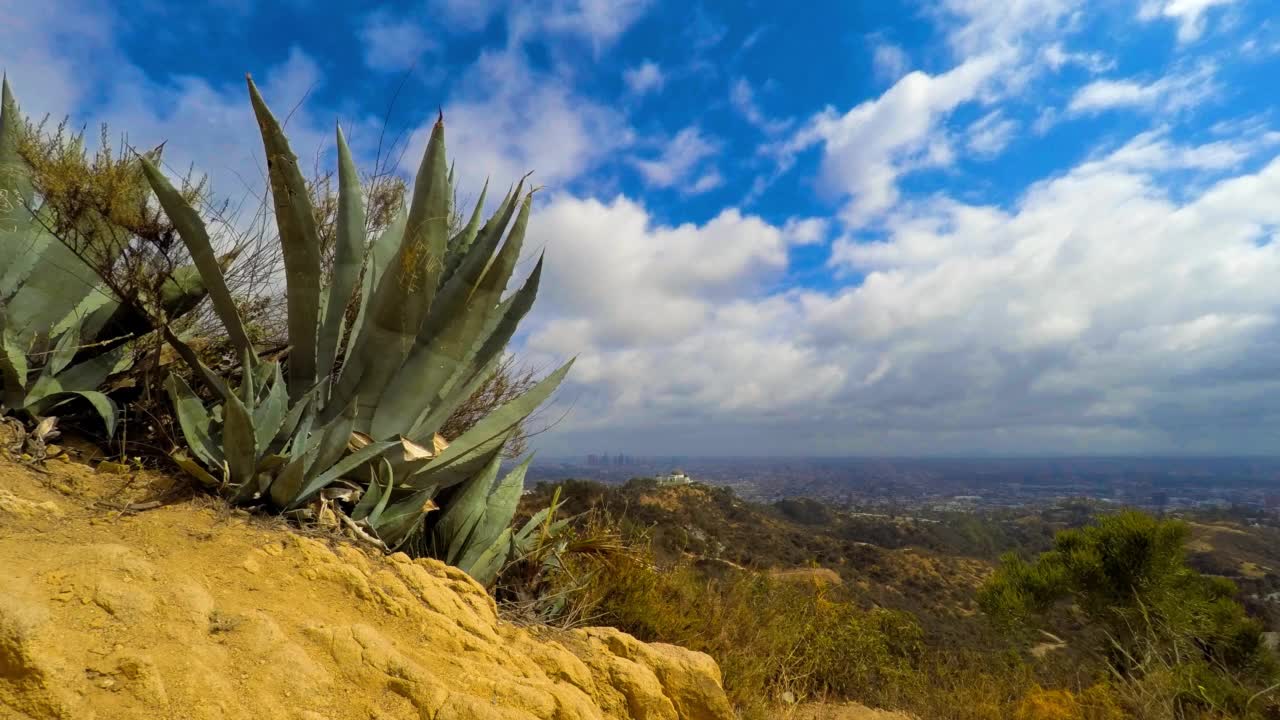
{"type": "Point", "coordinates": [183, 612]}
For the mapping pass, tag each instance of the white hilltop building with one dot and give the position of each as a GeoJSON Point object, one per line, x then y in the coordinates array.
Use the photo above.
{"type": "Point", "coordinates": [676, 477]}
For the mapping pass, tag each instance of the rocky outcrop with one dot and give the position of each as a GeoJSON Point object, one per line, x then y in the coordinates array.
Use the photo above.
{"type": "Point", "coordinates": [189, 611]}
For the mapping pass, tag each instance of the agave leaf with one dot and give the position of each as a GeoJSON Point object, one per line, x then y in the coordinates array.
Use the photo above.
{"type": "Point", "coordinates": [271, 462]}
{"type": "Point", "coordinates": [239, 441]}
{"type": "Point", "coordinates": [498, 422]}
{"type": "Point", "coordinates": [300, 244]}
{"type": "Point", "coordinates": [91, 373]}
{"type": "Point", "coordinates": [195, 421]}
{"type": "Point", "coordinates": [194, 235]}
{"type": "Point", "coordinates": [192, 468]}
{"type": "Point", "coordinates": [347, 256]}
{"type": "Point", "coordinates": [438, 406]}
{"type": "Point", "coordinates": [13, 366]}
{"type": "Point", "coordinates": [296, 424]}
{"type": "Point", "coordinates": [376, 515]}
{"type": "Point", "coordinates": [461, 284]}
{"type": "Point", "coordinates": [97, 297]}
{"type": "Point", "coordinates": [459, 243]}
{"type": "Point", "coordinates": [381, 251]}
{"type": "Point", "coordinates": [404, 294]}
{"type": "Point", "coordinates": [399, 521]}
{"type": "Point", "coordinates": [452, 532]}
{"type": "Point", "coordinates": [372, 496]}
{"type": "Point", "coordinates": [263, 374]}
{"type": "Point", "coordinates": [270, 414]}
{"type": "Point", "coordinates": [202, 371]}
{"type": "Point", "coordinates": [285, 487]}
{"type": "Point", "coordinates": [441, 351]}
{"type": "Point", "coordinates": [27, 247]}
{"type": "Point", "coordinates": [103, 405]}
{"type": "Point", "coordinates": [500, 508]}
{"type": "Point", "coordinates": [40, 280]}
{"type": "Point", "coordinates": [16, 189]}
{"type": "Point", "coordinates": [182, 291]}
{"type": "Point", "coordinates": [57, 285]}
{"type": "Point", "coordinates": [342, 467]}
{"type": "Point", "coordinates": [486, 566]}
{"type": "Point", "coordinates": [62, 352]}
{"type": "Point", "coordinates": [246, 391]}
{"type": "Point", "coordinates": [526, 531]}
{"type": "Point", "coordinates": [333, 441]}
{"type": "Point", "coordinates": [435, 413]}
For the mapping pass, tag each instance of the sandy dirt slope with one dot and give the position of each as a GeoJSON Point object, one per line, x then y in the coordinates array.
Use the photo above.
{"type": "Point", "coordinates": [190, 611]}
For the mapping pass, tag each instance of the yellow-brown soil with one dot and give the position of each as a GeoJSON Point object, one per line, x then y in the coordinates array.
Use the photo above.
{"type": "Point", "coordinates": [190, 611]}
{"type": "Point", "coordinates": [845, 711]}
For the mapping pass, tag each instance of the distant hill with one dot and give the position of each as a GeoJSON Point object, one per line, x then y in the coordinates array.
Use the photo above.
{"type": "Point", "coordinates": [929, 564]}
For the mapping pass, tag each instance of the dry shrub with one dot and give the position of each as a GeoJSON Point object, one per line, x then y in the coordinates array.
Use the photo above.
{"type": "Point", "coordinates": [507, 383]}
{"type": "Point", "coordinates": [771, 637]}
{"type": "Point", "coordinates": [1097, 702]}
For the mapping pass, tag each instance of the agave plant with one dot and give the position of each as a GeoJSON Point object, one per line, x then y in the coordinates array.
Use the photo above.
{"type": "Point", "coordinates": [349, 424]}
{"type": "Point", "coordinates": [62, 332]}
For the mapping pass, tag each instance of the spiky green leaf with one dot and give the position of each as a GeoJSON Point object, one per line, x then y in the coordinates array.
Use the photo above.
{"type": "Point", "coordinates": [270, 414]}
{"type": "Point", "coordinates": [404, 294]}
{"type": "Point", "coordinates": [442, 351]}
{"type": "Point", "coordinates": [486, 566]}
{"type": "Point", "coordinates": [340, 468]}
{"type": "Point", "coordinates": [239, 441]}
{"type": "Point", "coordinates": [453, 530]}
{"type": "Point", "coordinates": [195, 421]}
{"type": "Point", "coordinates": [347, 256]}
{"type": "Point", "coordinates": [299, 242]}
{"type": "Point", "coordinates": [192, 230]}
{"type": "Point", "coordinates": [399, 521]}
{"type": "Point", "coordinates": [500, 508]}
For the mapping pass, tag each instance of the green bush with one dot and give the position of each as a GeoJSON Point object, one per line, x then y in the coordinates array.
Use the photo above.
{"type": "Point", "coordinates": [1171, 636]}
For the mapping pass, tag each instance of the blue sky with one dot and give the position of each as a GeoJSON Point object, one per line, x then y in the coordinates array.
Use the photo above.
{"type": "Point", "coordinates": [902, 227]}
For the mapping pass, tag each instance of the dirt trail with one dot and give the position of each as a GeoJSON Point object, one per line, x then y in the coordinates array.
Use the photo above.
{"type": "Point", "coordinates": [189, 611]}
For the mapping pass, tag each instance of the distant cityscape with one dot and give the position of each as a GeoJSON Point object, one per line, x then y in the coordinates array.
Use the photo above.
{"type": "Point", "coordinates": [954, 484]}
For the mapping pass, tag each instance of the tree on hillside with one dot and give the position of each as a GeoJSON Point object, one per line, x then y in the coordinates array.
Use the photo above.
{"type": "Point", "coordinates": [1161, 620]}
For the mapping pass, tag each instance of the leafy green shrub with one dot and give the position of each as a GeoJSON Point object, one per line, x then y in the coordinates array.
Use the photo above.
{"type": "Point", "coordinates": [1173, 638]}
{"type": "Point", "coordinates": [70, 228]}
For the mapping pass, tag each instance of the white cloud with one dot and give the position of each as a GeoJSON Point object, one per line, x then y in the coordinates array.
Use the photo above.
{"type": "Point", "coordinates": [678, 159]}
{"type": "Point", "coordinates": [600, 22]}
{"type": "Point", "coordinates": [663, 318]}
{"type": "Point", "coordinates": [987, 25]}
{"type": "Point", "coordinates": [1169, 94]}
{"type": "Point", "coordinates": [510, 120]}
{"type": "Point", "coordinates": [743, 98]}
{"type": "Point", "coordinates": [466, 15]}
{"type": "Point", "coordinates": [991, 133]}
{"type": "Point", "coordinates": [806, 231]}
{"type": "Point", "coordinates": [866, 149]}
{"type": "Point", "coordinates": [1057, 57]}
{"type": "Point", "coordinates": [1106, 311]}
{"type": "Point", "coordinates": [393, 43]}
{"type": "Point", "coordinates": [603, 21]}
{"type": "Point", "coordinates": [890, 61]}
{"type": "Point", "coordinates": [707, 182]}
{"type": "Point", "coordinates": [1188, 14]}
{"type": "Point", "coordinates": [644, 78]}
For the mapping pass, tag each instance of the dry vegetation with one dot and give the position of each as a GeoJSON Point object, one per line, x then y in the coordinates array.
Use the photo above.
{"type": "Point", "coordinates": [794, 614]}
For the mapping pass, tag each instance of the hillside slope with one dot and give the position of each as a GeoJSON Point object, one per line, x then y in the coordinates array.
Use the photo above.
{"type": "Point", "coordinates": [187, 611]}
